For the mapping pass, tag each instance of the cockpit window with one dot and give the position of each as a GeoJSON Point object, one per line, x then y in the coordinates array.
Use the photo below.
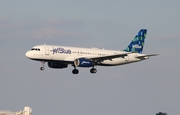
{"type": "Point", "coordinates": [36, 49]}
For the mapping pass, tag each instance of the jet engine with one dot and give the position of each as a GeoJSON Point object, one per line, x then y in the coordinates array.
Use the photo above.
{"type": "Point", "coordinates": [82, 62]}
{"type": "Point", "coordinates": [57, 65]}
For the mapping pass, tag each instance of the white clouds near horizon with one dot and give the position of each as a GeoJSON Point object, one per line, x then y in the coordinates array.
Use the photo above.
{"type": "Point", "coordinates": [43, 30]}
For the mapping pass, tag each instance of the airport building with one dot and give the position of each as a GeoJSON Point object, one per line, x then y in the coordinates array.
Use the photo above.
{"type": "Point", "coordinates": [26, 111]}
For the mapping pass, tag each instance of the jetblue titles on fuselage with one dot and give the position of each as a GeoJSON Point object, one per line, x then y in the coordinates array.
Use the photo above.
{"type": "Point", "coordinates": [61, 50]}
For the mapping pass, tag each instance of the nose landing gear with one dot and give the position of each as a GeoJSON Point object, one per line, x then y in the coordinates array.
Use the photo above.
{"type": "Point", "coordinates": [42, 68]}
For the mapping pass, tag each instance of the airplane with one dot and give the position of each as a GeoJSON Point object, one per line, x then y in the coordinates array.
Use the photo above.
{"type": "Point", "coordinates": [59, 57]}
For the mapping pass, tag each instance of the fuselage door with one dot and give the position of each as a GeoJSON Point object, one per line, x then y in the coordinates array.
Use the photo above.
{"type": "Point", "coordinates": [46, 50]}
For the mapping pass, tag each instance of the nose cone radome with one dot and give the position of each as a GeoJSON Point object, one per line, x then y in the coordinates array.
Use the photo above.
{"type": "Point", "coordinates": [28, 54]}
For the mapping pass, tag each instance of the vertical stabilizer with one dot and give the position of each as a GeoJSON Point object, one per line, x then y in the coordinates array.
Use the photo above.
{"type": "Point", "coordinates": [137, 43]}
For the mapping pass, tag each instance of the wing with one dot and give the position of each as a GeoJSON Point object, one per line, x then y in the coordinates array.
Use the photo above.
{"type": "Point", "coordinates": [107, 57]}
{"type": "Point", "coordinates": [98, 58]}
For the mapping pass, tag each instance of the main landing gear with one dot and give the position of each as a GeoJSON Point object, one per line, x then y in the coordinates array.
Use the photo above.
{"type": "Point", "coordinates": [76, 71]}
{"type": "Point", "coordinates": [93, 70]}
{"type": "Point", "coordinates": [42, 68]}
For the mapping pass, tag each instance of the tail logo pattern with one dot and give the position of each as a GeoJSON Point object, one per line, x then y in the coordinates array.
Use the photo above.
{"type": "Point", "coordinates": [137, 43]}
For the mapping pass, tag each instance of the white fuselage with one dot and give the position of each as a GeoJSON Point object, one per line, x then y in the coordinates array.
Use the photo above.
{"type": "Point", "coordinates": [59, 57]}
{"type": "Point", "coordinates": [69, 54]}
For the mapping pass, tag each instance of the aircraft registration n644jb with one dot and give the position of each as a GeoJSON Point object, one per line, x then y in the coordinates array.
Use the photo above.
{"type": "Point", "coordinates": [60, 57]}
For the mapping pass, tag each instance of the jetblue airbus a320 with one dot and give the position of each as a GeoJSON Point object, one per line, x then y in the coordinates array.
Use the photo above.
{"type": "Point", "coordinates": [60, 57]}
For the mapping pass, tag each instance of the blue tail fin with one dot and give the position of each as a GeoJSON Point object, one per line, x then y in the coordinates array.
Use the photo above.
{"type": "Point", "coordinates": [137, 43]}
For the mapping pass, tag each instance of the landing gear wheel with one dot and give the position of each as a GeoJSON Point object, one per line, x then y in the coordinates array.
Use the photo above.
{"type": "Point", "coordinates": [42, 68]}
{"type": "Point", "coordinates": [75, 71]}
{"type": "Point", "coordinates": [93, 70]}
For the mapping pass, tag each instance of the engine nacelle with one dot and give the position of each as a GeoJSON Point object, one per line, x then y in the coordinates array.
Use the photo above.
{"type": "Point", "coordinates": [82, 62]}
{"type": "Point", "coordinates": [57, 65]}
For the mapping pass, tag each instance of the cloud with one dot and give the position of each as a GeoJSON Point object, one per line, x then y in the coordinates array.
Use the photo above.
{"type": "Point", "coordinates": [50, 33]}
{"type": "Point", "coordinates": [166, 36]}
{"type": "Point", "coordinates": [6, 24]}
{"type": "Point", "coordinates": [170, 37]}
{"type": "Point", "coordinates": [62, 23]}
{"type": "Point", "coordinates": [49, 29]}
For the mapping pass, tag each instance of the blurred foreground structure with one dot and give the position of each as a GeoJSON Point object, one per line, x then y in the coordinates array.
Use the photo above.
{"type": "Point", "coordinates": [161, 113]}
{"type": "Point", "coordinates": [26, 111]}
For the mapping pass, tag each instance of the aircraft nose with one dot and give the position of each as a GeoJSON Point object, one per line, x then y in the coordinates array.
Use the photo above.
{"type": "Point", "coordinates": [28, 55]}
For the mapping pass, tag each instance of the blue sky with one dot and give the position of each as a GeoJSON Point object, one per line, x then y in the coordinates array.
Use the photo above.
{"type": "Point", "coordinates": [146, 87]}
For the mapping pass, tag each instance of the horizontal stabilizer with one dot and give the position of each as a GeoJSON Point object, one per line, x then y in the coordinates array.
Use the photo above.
{"type": "Point", "coordinates": [146, 56]}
